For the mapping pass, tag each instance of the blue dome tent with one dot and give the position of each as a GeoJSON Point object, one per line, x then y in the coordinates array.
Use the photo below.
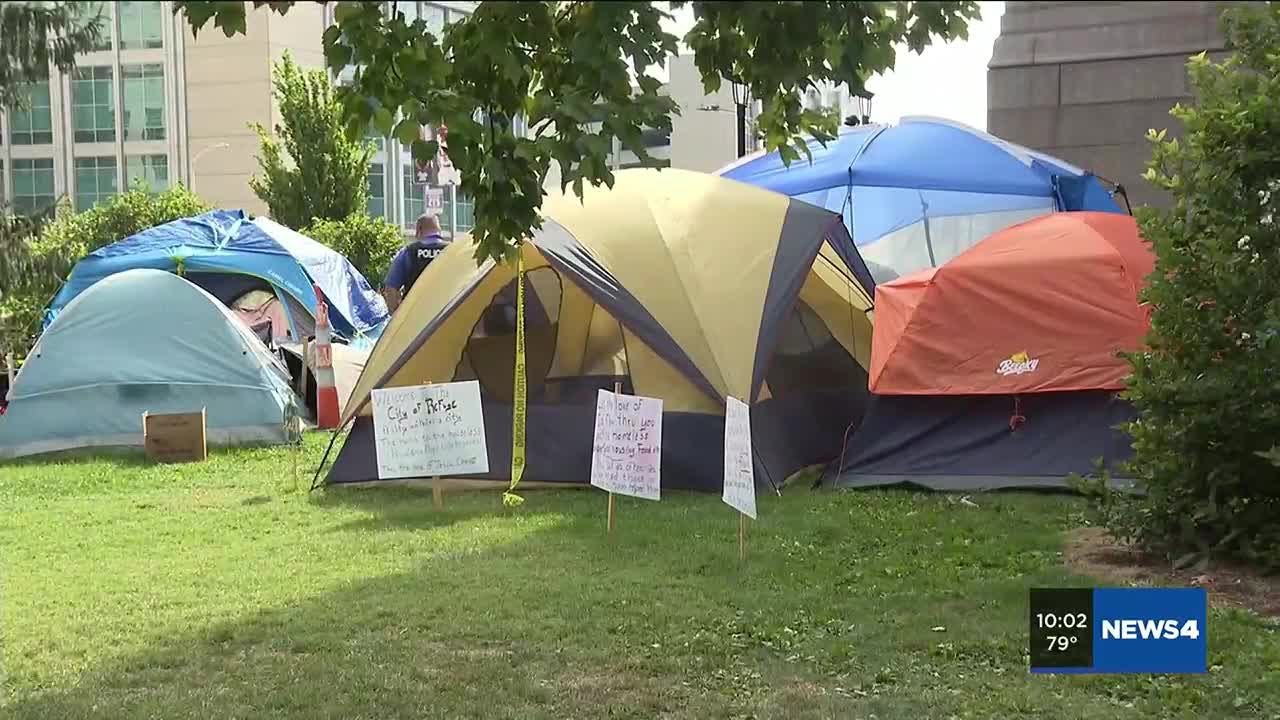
{"type": "Point", "coordinates": [228, 255]}
{"type": "Point", "coordinates": [143, 341]}
{"type": "Point", "coordinates": [920, 192]}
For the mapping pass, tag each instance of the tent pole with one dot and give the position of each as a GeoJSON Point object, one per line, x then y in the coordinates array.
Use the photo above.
{"type": "Point", "coordinates": [332, 439]}
{"type": "Point", "coordinates": [928, 239]}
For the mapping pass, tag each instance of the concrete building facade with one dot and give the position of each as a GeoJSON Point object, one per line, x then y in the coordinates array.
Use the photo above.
{"type": "Point", "coordinates": [1084, 81]}
{"type": "Point", "coordinates": [160, 105]}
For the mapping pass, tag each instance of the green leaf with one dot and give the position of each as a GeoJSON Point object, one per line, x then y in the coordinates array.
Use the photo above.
{"type": "Point", "coordinates": [408, 131]}
{"type": "Point", "coordinates": [425, 149]}
{"type": "Point", "coordinates": [383, 121]}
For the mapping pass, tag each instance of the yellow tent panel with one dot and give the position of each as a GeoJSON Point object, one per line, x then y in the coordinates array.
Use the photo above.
{"type": "Point", "coordinates": [673, 284]}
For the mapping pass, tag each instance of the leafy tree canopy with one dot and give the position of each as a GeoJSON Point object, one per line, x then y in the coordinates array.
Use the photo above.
{"type": "Point", "coordinates": [568, 68]}
{"type": "Point", "coordinates": [34, 34]}
{"type": "Point", "coordinates": [313, 171]}
{"type": "Point", "coordinates": [1208, 388]}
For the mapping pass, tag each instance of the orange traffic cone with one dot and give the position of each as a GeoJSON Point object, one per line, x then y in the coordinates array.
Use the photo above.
{"type": "Point", "coordinates": [327, 412]}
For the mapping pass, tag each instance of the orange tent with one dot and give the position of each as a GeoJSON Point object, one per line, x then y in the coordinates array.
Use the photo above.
{"type": "Point", "coordinates": [1041, 306]}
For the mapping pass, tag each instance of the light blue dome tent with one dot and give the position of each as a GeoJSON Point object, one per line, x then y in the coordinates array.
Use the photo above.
{"type": "Point", "coordinates": [920, 192]}
{"type": "Point", "coordinates": [228, 255]}
{"type": "Point", "coordinates": [143, 341]}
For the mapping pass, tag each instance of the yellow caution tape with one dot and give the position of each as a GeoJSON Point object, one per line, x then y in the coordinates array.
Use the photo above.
{"type": "Point", "coordinates": [520, 401]}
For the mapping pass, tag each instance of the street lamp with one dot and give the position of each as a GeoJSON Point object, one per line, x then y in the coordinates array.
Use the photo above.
{"type": "Point", "coordinates": [194, 160]}
{"type": "Point", "coordinates": [741, 96]}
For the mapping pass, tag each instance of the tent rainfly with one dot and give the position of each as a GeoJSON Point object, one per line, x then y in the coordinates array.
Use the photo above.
{"type": "Point", "coordinates": [678, 285]}
{"type": "Point", "coordinates": [143, 341]}
{"type": "Point", "coordinates": [1002, 368]}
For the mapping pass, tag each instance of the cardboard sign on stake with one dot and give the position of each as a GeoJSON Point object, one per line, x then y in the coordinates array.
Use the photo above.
{"type": "Point", "coordinates": [626, 457]}
{"type": "Point", "coordinates": [739, 470]}
{"type": "Point", "coordinates": [431, 431]}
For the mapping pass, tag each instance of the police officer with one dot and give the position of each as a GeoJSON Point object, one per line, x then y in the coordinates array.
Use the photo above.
{"type": "Point", "coordinates": [412, 260]}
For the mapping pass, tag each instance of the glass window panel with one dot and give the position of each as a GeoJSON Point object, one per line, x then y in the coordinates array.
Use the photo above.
{"type": "Point", "coordinates": [434, 16]}
{"type": "Point", "coordinates": [379, 142]}
{"type": "Point", "coordinates": [466, 213]}
{"type": "Point", "coordinates": [140, 25]}
{"type": "Point", "coordinates": [32, 184]}
{"type": "Point", "coordinates": [152, 171]}
{"type": "Point", "coordinates": [410, 10]}
{"type": "Point", "coordinates": [23, 182]}
{"type": "Point", "coordinates": [33, 126]}
{"type": "Point", "coordinates": [414, 204]}
{"type": "Point", "coordinates": [377, 206]}
{"type": "Point", "coordinates": [95, 181]}
{"type": "Point", "coordinates": [144, 102]}
{"type": "Point", "coordinates": [93, 105]}
{"type": "Point", "coordinates": [101, 10]}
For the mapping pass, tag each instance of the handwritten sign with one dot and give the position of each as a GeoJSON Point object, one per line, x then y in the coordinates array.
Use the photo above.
{"type": "Point", "coordinates": [626, 456]}
{"type": "Point", "coordinates": [429, 430]}
{"type": "Point", "coordinates": [739, 472]}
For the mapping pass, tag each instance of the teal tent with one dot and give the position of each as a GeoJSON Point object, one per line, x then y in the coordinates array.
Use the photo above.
{"type": "Point", "coordinates": [143, 341]}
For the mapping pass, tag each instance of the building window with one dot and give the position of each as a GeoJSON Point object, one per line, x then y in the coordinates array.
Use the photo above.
{"type": "Point", "coordinates": [466, 214]}
{"type": "Point", "coordinates": [414, 203]}
{"type": "Point", "coordinates": [435, 20]}
{"type": "Point", "coordinates": [409, 9]}
{"type": "Point", "coordinates": [140, 25]}
{"type": "Point", "coordinates": [102, 11]}
{"type": "Point", "coordinates": [143, 101]}
{"type": "Point", "coordinates": [33, 126]}
{"type": "Point", "coordinates": [32, 184]}
{"type": "Point", "coordinates": [95, 181]}
{"type": "Point", "coordinates": [93, 105]}
{"type": "Point", "coordinates": [379, 142]}
{"type": "Point", "coordinates": [377, 206]}
{"type": "Point", "coordinates": [151, 170]}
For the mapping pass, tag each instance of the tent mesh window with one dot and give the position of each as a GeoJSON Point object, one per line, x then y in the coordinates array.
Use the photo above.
{"type": "Point", "coordinates": [573, 347]}
{"type": "Point", "coordinates": [809, 359]}
{"type": "Point", "coordinates": [490, 353]}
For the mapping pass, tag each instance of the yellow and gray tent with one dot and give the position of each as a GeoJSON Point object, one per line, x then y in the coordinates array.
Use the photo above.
{"type": "Point", "coordinates": [677, 285]}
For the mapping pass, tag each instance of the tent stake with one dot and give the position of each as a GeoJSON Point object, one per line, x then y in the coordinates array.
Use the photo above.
{"type": "Point", "coordinates": [617, 390]}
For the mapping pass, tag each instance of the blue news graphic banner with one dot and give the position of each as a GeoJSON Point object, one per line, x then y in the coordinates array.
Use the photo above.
{"type": "Point", "coordinates": [1118, 630]}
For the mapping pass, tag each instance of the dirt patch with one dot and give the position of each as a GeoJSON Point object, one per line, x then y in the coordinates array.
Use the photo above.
{"type": "Point", "coordinates": [1093, 552]}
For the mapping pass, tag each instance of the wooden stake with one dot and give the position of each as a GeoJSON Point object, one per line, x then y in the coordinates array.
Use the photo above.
{"type": "Point", "coordinates": [617, 390]}
{"type": "Point", "coordinates": [742, 537]}
{"type": "Point", "coordinates": [436, 495]}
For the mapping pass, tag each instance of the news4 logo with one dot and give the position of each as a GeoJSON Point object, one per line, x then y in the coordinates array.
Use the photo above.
{"type": "Point", "coordinates": [1150, 630]}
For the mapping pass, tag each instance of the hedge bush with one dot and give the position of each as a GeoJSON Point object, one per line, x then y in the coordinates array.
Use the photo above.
{"type": "Point", "coordinates": [369, 243]}
{"type": "Point", "coordinates": [1208, 389]}
{"type": "Point", "coordinates": [71, 235]}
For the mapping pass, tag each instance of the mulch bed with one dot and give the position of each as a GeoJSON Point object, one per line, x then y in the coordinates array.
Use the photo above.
{"type": "Point", "coordinates": [1092, 551]}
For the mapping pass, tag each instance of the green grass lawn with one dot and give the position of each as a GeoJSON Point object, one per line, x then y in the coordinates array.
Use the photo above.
{"type": "Point", "coordinates": [219, 591]}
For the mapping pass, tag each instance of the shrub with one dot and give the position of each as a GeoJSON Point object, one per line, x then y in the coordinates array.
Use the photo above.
{"type": "Point", "coordinates": [1207, 389]}
{"type": "Point", "coordinates": [369, 243]}
{"type": "Point", "coordinates": [67, 238]}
